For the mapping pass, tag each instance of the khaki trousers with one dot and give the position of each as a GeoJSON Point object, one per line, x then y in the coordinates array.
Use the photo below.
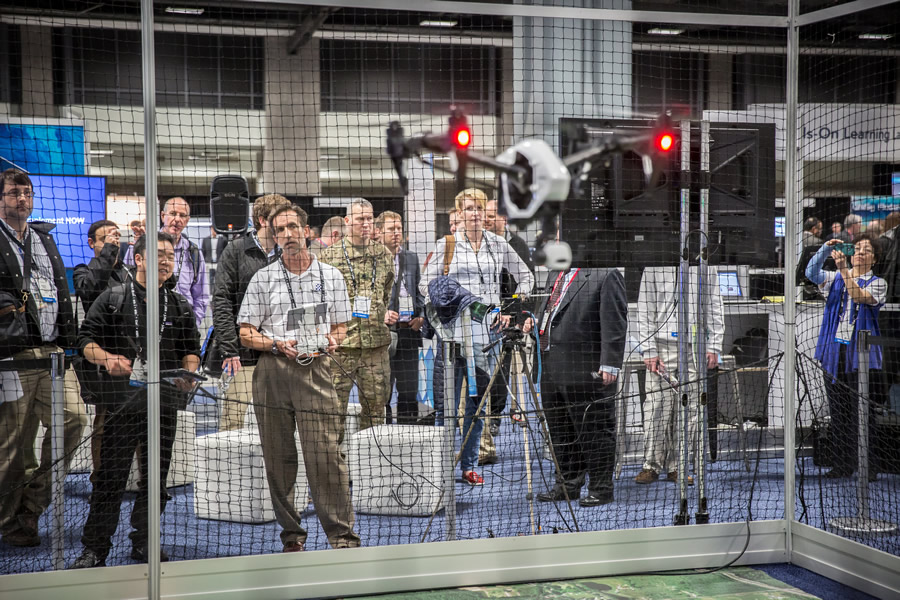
{"type": "Point", "coordinates": [237, 400]}
{"type": "Point", "coordinates": [18, 426]}
{"type": "Point", "coordinates": [290, 397]}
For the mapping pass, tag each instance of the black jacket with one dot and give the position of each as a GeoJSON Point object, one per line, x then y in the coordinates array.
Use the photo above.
{"type": "Point", "coordinates": [588, 329]}
{"type": "Point", "coordinates": [11, 279]}
{"type": "Point", "coordinates": [411, 275]}
{"type": "Point", "coordinates": [110, 324]}
{"type": "Point", "coordinates": [101, 272]}
{"type": "Point", "coordinates": [239, 262]}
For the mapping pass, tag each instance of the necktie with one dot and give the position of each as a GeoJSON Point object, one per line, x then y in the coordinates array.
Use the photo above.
{"type": "Point", "coordinates": [552, 301]}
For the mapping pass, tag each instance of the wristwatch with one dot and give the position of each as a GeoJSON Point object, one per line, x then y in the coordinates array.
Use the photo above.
{"type": "Point", "coordinates": [275, 347]}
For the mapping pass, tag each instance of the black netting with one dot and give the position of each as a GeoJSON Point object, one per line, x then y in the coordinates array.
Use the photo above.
{"type": "Point", "coordinates": [642, 387]}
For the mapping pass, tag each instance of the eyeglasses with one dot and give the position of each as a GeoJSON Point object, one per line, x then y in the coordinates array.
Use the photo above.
{"type": "Point", "coordinates": [19, 194]}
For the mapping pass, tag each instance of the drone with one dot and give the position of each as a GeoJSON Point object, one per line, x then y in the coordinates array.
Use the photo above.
{"type": "Point", "coordinates": [532, 182]}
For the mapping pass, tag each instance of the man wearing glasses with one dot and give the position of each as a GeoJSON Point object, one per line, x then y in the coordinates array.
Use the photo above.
{"type": "Point", "coordinates": [190, 268]}
{"type": "Point", "coordinates": [31, 270]}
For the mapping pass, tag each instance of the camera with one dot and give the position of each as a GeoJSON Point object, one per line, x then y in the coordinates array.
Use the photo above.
{"type": "Point", "coordinates": [846, 248]}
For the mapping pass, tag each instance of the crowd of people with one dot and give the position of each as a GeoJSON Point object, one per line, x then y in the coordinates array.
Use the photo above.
{"type": "Point", "coordinates": [302, 317]}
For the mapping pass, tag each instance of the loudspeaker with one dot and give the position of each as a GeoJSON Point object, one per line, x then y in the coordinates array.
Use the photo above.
{"type": "Point", "coordinates": [229, 204]}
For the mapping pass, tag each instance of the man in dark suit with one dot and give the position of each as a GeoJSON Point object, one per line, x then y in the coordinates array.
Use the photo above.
{"type": "Point", "coordinates": [405, 316]}
{"type": "Point", "coordinates": [582, 325]}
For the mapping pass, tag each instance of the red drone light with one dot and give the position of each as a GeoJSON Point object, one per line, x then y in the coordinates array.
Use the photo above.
{"type": "Point", "coordinates": [665, 141]}
{"type": "Point", "coordinates": [463, 138]}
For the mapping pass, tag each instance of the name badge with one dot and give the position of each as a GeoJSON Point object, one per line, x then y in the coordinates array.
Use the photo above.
{"type": "Point", "coordinates": [844, 329]}
{"type": "Point", "coordinates": [47, 290]}
{"type": "Point", "coordinates": [406, 307]}
{"type": "Point", "coordinates": [362, 306]}
{"type": "Point", "coordinates": [138, 373]}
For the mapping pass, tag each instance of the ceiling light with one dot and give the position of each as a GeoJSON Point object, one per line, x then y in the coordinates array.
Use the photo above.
{"type": "Point", "coordinates": [101, 152]}
{"type": "Point", "coordinates": [664, 31]}
{"type": "Point", "coordinates": [437, 23]}
{"type": "Point", "coordinates": [183, 10]}
{"type": "Point", "coordinates": [876, 36]}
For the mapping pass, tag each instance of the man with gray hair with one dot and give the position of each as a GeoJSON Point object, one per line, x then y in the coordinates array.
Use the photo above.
{"type": "Point", "coordinates": [852, 226]}
{"type": "Point", "coordinates": [363, 358]}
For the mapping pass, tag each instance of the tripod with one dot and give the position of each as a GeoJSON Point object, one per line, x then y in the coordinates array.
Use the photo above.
{"type": "Point", "coordinates": [512, 340]}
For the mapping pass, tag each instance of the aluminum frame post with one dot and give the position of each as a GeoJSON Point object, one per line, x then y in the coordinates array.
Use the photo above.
{"type": "Point", "coordinates": [862, 523]}
{"type": "Point", "coordinates": [703, 305]}
{"type": "Point", "coordinates": [58, 473]}
{"type": "Point", "coordinates": [449, 438]}
{"type": "Point", "coordinates": [148, 61]}
{"type": "Point", "coordinates": [682, 279]}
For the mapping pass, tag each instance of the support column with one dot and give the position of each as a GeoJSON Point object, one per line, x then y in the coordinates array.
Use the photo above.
{"type": "Point", "coordinates": [291, 153]}
{"type": "Point", "coordinates": [720, 68]}
{"type": "Point", "coordinates": [569, 68]}
{"type": "Point", "coordinates": [37, 71]}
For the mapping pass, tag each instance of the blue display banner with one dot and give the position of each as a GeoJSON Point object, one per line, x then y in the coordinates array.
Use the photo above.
{"type": "Point", "coordinates": [72, 204]}
{"type": "Point", "coordinates": [43, 148]}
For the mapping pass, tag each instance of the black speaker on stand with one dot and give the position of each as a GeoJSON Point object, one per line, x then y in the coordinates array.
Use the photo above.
{"type": "Point", "coordinates": [229, 204]}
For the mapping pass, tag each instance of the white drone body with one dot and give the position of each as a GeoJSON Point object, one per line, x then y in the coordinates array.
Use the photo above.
{"type": "Point", "coordinates": [550, 180]}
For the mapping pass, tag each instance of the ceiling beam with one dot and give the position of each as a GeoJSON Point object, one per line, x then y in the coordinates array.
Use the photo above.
{"type": "Point", "coordinates": [309, 24]}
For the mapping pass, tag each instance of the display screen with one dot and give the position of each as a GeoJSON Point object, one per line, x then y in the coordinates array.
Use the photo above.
{"type": "Point", "coordinates": [779, 226]}
{"type": "Point", "coordinates": [71, 203]}
{"type": "Point", "coordinates": [895, 184]}
{"type": "Point", "coordinates": [729, 286]}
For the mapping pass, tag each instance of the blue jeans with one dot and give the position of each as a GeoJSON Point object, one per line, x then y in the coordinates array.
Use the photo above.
{"type": "Point", "coordinates": [484, 367]}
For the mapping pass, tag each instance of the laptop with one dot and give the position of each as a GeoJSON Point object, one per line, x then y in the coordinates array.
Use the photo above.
{"type": "Point", "coordinates": [730, 287]}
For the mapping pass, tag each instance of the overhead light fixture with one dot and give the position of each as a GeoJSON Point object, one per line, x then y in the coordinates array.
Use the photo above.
{"type": "Point", "coordinates": [101, 152]}
{"type": "Point", "coordinates": [436, 23]}
{"type": "Point", "coordinates": [184, 10]}
{"type": "Point", "coordinates": [664, 31]}
{"type": "Point", "coordinates": [876, 36]}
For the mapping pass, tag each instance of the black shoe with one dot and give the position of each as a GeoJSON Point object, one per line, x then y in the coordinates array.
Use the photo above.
{"type": "Point", "coordinates": [139, 553]}
{"type": "Point", "coordinates": [596, 499]}
{"type": "Point", "coordinates": [558, 494]}
{"type": "Point", "coordinates": [88, 560]}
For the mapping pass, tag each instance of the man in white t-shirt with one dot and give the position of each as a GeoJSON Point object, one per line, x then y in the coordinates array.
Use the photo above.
{"type": "Point", "coordinates": [294, 312]}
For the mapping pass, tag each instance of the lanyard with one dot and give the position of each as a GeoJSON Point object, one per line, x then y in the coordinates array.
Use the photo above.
{"type": "Point", "coordinates": [181, 263]}
{"type": "Point", "coordinates": [137, 326]}
{"type": "Point", "coordinates": [490, 253]}
{"type": "Point", "coordinates": [853, 304]}
{"type": "Point", "coordinates": [350, 267]}
{"type": "Point", "coordinates": [287, 282]}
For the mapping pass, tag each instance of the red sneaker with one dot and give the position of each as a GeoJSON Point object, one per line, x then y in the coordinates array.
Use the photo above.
{"type": "Point", "coordinates": [473, 478]}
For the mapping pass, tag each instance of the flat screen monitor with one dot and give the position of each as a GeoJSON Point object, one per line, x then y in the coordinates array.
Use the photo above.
{"type": "Point", "coordinates": [895, 184]}
{"type": "Point", "coordinates": [71, 203]}
{"type": "Point", "coordinates": [779, 226]}
{"type": "Point", "coordinates": [730, 285]}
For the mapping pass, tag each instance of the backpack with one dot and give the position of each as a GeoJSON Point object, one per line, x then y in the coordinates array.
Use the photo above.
{"type": "Point", "coordinates": [449, 248]}
{"type": "Point", "coordinates": [194, 256]}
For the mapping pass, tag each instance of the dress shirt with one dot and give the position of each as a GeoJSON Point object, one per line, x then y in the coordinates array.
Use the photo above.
{"type": "Point", "coordinates": [479, 272]}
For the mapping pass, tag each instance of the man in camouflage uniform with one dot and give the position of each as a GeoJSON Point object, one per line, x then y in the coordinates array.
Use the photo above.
{"type": "Point", "coordinates": [368, 270]}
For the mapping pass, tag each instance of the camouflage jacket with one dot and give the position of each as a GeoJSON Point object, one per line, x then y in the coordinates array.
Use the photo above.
{"type": "Point", "coordinates": [363, 260]}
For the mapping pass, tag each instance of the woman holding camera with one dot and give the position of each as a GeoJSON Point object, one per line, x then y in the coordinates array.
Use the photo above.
{"type": "Point", "coordinates": [854, 297]}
